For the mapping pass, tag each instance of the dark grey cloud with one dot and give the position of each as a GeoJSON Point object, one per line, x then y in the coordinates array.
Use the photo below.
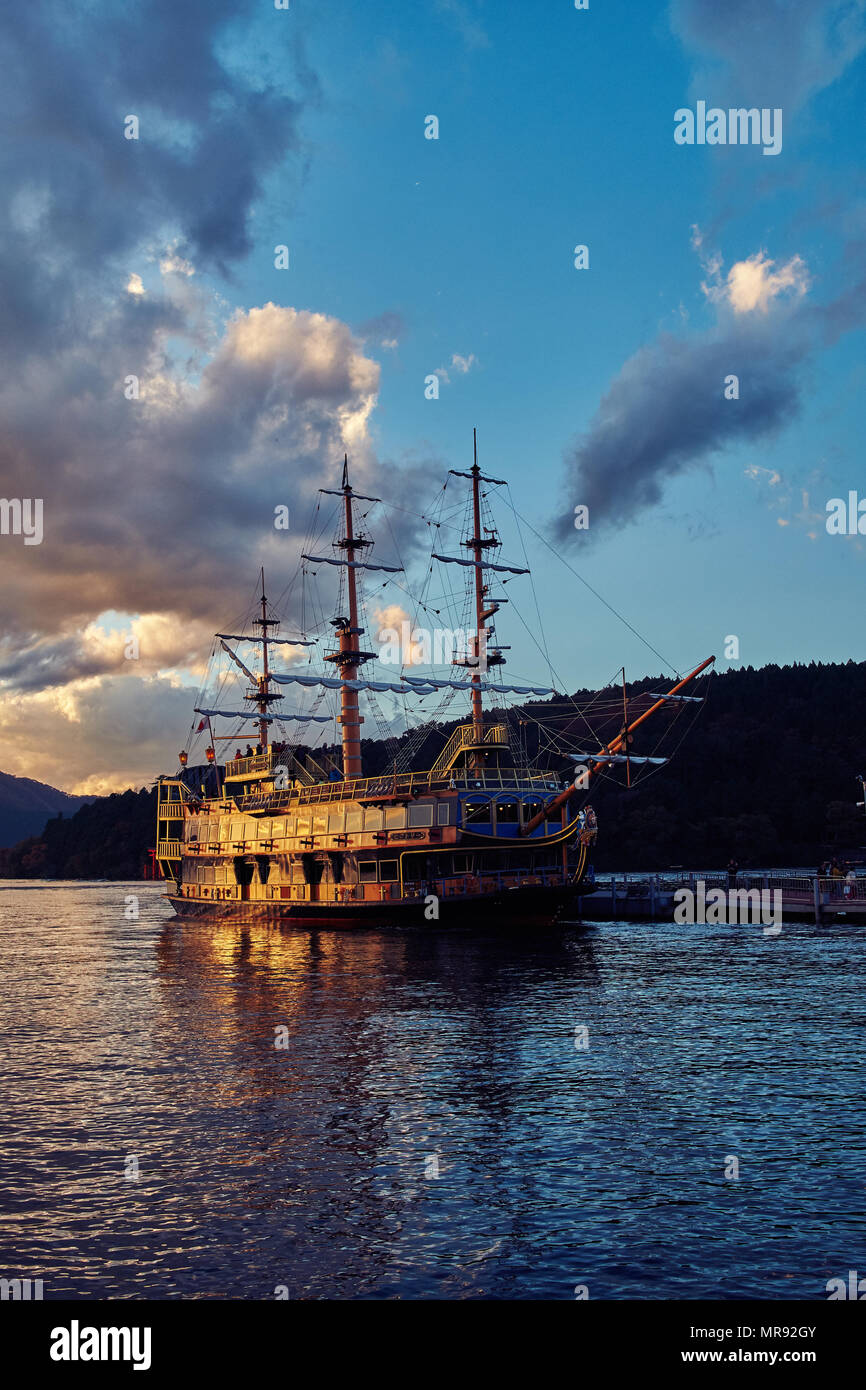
{"type": "Point", "coordinates": [666, 414]}
{"type": "Point", "coordinates": [769, 52]}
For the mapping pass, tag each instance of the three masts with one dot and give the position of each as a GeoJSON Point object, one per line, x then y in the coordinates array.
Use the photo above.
{"type": "Point", "coordinates": [282, 836]}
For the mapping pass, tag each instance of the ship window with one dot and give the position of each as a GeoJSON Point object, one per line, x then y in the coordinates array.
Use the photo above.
{"type": "Point", "coordinates": [421, 815]}
{"type": "Point", "coordinates": [354, 821]}
{"type": "Point", "coordinates": [388, 871]}
{"type": "Point", "coordinates": [192, 828]}
{"type": "Point", "coordinates": [220, 875]}
{"type": "Point", "coordinates": [506, 813]}
{"type": "Point", "coordinates": [476, 810]}
{"type": "Point", "coordinates": [304, 822]}
{"type": "Point", "coordinates": [373, 818]}
{"type": "Point", "coordinates": [530, 809]}
{"type": "Point", "coordinates": [284, 826]}
{"type": "Point", "coordinates": [320, 823]}
{"type": "Point", "coordinates": [236, 830]}
{"type": "Point", "coordinates": [443, 813]}
{"type": "Point", "coordinates": [461, 864]}
{"type": "Point", "coordinates": [264, 830]}
{"type": "Point", "coordinates": [297, 871]}
{"type": "Point", "coordinates": [336, 822]}
{"type": "Point", "coordinates": [367, 871]}
{"type": "Point", "coordinates": [395, 817]}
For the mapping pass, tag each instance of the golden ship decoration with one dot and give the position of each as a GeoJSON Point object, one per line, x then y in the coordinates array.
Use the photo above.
{"type": "Point", "coordinates": [274, 833]}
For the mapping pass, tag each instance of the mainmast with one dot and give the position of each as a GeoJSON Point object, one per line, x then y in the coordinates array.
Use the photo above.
{"type": "Point", "coordinates": [349, 657]}
{"type": "Point", "coordinates": [477, 543]}
{"type": "Point", "coordinates": [264, 696]}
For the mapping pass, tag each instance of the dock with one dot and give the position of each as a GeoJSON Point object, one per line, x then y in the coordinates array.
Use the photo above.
{"type": "Point", "coordinates": [650, 897]}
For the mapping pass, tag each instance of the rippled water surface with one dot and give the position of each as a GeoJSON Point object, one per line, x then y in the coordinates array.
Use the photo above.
{"type": "Point", "coordinates": [313, 1166]}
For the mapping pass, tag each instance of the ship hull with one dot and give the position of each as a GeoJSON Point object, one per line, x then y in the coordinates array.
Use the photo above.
{"type": "Point", "coordinates": [527, 906]}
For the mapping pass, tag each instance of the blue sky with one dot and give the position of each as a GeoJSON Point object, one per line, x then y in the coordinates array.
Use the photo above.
{"type": "Point", "coordinates": [604, 386]}
{"type": "Point", "coordinates": [556, 130]}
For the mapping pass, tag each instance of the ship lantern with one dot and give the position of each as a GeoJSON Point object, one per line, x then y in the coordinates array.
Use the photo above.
{"type": "Point", "coordinates": [182, 759]}
{"type": "Point", "coordinates": [209, 753]}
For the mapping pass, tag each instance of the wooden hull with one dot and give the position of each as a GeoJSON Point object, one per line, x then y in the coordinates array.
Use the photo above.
{"type": "Point", "coordinates": [533, 905]}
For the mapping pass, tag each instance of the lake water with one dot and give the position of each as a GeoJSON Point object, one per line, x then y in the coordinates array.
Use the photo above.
{"type": "Point", "coordinates": [313, 1166]}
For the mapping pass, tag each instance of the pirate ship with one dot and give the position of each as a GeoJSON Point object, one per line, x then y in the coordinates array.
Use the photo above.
{"type": "Point", "coordinates": [276, 834]}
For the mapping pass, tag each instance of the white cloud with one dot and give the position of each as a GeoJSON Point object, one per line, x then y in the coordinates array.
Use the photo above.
{"type": "Point", "coordinates": [134, 285]}
{"type": "Point", "coordinates": [752, 285]}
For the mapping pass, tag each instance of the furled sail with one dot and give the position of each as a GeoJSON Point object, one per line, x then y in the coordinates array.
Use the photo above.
{"type": "Point", "coordinates": [280, 641]}
{"type": "Point", "coordinates": [269, 718]}
{"type": "Point", "coordinates": [478, 564]}
{"type": "Point", "coordinates": [615, 758]}
{"type": "Point", "coordinates": [412, 685]}
{"type": "Point", "coordinates": [351, 564]}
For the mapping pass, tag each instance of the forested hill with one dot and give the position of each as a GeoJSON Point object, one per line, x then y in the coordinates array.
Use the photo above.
{"type": "Point", "coordinates": [767, 773]}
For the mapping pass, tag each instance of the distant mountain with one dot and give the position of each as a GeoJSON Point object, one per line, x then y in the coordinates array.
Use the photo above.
{"type": "Point", "coordinates": [26, 805]}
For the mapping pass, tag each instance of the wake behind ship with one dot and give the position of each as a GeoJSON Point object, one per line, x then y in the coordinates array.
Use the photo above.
{"type": "Point", "coordinates": [277, 835]}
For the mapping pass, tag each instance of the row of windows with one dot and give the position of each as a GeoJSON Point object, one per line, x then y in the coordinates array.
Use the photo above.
{"type": "Point", "coordinates": [508, 810]}
{"type": "Point", "coordinates": [211, 831]}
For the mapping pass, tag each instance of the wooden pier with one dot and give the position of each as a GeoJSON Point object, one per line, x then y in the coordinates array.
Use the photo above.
{"type": "Point", "coordinates": [650, 897]}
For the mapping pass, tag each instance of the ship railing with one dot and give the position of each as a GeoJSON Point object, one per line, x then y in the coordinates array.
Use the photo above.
{"type": "Point", "coordinates": [403, 786]}
{"type": "Point", "coordinates": [168, 849]}
{"type": "Point", "coordinates": [465, 737]}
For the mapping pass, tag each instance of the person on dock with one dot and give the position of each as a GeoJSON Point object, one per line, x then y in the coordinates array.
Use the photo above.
{"type": "Point", "coordinates": [733, 871]}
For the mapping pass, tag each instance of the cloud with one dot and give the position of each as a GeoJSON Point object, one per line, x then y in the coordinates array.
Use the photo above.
{"type": "Point", "coordinates": [752, 285]}
{"type": "Point", "coordinates": [774, 53]}
{"type": "Point", "coordinates": [666, 413]}
{"type": "Point", "coordinates": [463, 17]}
{"type": "Point", "coordinates": [387, 329]}
{"type": "Point", "coordinates": [158, 504]}
{"type": "Point", "coordinates": [459, 364]}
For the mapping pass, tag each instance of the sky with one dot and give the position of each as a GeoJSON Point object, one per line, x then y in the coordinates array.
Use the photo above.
{"type": "Point", "coordinates": [166, 385]}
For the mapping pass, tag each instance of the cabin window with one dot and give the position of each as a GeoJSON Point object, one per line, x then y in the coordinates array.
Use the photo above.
{"type": "Point", "coordinates": [297, 871]}
{"type": "Point", "coordinates": [220, 875]}
{"type": "Point", "coordinates": [284, 826]}
{"type": "Point", "coordinates": [530, 809]}
{"type": "Point", "coordinates": [388, 872]}
{"type": "Point", "coordinates": [367, 871]}
{"type": "Point", "coordinates": [373, 818]}
{"type": "Point", "coordinates": [236, 830]}
{"type": "Point", "coordinates": [304, 823]}
{"type": "Point", "coordinates": [192, 827]}
{"type": "Point", "coordinates": [264, 830]}
{"type": "Point", "coordinates": [462, 864]}
{"type": "Point", "coordinates": [395, 817]}
{"type": "Point", "coordinates": [320, 823]}
{"type": "Point", "coordinates": [421, 815]}
{"type": "Point", "coordinates": [506, 812]}
{"type": "Point", "coordinates": [336, 822]}
{"type": "Point", "coordinates": [476, 810]}
{"type": "Point", "coordinates": [443, 813]}
{"type": "Point", "coordinates": [354, 821]}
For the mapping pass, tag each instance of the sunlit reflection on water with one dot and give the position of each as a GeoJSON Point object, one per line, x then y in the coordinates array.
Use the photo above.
{"type": "Point", "coordinates": [150, 1047]}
